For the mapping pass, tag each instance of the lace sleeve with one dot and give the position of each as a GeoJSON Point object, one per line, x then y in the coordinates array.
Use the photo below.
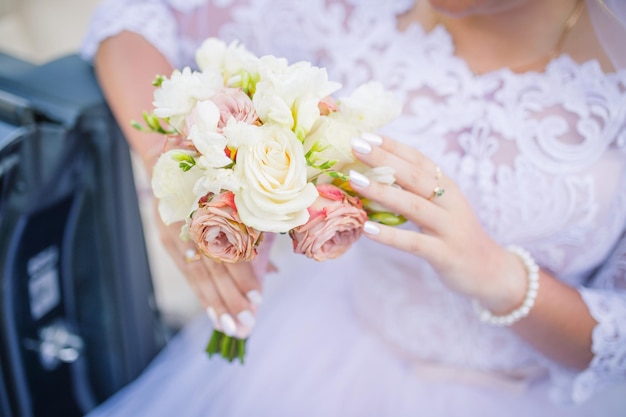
{"type": "Point", "coordinates": [606, 299]}
{"type": "Point", "coordinates": [152, 19]}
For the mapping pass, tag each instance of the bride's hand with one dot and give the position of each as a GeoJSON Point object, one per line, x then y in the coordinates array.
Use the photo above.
{"type": "Point", "coordinates": [229, 293]}
{"type": "Point", "coordinates": [450, 237]}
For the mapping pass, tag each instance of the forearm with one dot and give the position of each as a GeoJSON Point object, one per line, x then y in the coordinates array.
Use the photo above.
{"type": "Point", "coordinates": [559, 325]}
{"type": "Point", "coordinates": [126, 64]}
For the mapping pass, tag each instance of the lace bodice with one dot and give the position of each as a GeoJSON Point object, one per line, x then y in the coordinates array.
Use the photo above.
{"type": "Point", "coordinates": [541, 157]}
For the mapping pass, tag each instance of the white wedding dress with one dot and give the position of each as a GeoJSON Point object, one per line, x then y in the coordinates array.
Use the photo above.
{"type": "Point", "coordinates": [542, 159]}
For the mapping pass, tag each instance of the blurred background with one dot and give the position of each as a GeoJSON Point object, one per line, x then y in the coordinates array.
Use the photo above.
{"type": "Point", "coordinates": [39, 31]}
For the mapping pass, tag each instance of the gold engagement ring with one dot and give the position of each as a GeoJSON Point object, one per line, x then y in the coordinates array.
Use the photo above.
{"type": "Point", "coordinates": [438, 190]}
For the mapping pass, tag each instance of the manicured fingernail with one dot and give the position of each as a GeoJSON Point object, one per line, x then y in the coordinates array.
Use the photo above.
{"type": "Point", "coordinates": [255, 297]}
{"type": "Point", "coordinates": [246, 318]}
{"type": "Point", "coordinates": [228, 324]}
{"type": "Point", "coordinates": [361, 146]}
{"type": "Point", "coordinates": [210, 311]}
{"type": "Point", "coordinates": [371, 228]}
{"type": "Point", "coordinates": [359, 179]}
{"type": "Point", "coordinates": [372, 138]}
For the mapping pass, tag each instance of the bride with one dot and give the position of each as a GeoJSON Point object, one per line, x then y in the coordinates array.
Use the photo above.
{"type": "Point", "coordinates": [506, 292]}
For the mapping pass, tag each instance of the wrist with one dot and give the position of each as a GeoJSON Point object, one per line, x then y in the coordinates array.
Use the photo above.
{"type": "Point", "coordinates": [514, 295]}
{"type": "Point", "coordinates": [505, 291]}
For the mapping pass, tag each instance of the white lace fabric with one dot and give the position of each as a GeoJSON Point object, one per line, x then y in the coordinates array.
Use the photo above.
{"type": "Point", "coordinates": [541, 157]}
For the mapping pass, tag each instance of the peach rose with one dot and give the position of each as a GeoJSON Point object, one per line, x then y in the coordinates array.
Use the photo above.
{"type": "Point", "coordinates": [335, 223]}
{"type": "Point", "coordinates": [218, 232]}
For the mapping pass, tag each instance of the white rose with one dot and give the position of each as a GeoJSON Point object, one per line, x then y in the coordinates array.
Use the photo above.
{"type": "Point", "coordinates": [274, 194]}
{"type": "Point", "coordinates": [177, 96]}
{"type": "Point", "coordinates": [174, 187]}
{"type": "Point", "coordinates": [370, 106]}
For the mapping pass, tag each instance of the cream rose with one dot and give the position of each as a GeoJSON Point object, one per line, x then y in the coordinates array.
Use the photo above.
{"type": "Point", "coordinates": [271, 168]}
{"type": "Point", "coordinates": [218, 232]}
{"type": "Point", "coordinates": [335, 223]}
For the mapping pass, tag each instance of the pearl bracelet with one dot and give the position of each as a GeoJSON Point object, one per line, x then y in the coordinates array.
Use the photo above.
{"type": "Point", "coordinates": [488, 317]}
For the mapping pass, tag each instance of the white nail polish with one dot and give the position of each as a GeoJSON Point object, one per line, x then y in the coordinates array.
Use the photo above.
{"type": "Point", "coordinates": [371, 228]}
{"type": "Point", "coordinates": [361, 146]}
{"type": "Point", "coordinates": [372, 138]}
{"type": "Point", "coordinates": [255, 297]}
{"type": "Point", "coordinates": [359, 179]}
{"type": "Point", "coordinates": [228, 324]}
{"type": "Point", "coordinates": [246, 318]}
{"type": "Point", "coordinates": [210, 311]}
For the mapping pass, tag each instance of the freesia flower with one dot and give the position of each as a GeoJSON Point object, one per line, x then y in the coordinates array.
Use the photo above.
{"type": "Point", "coordinates": [177, 95]}
{"type": "Point", "coordinates": [231, 59]}
{"type": "Point", "coordinates": [289, 95]}
{"type": "Point", "coordinates": [329, 140]}
{"type": "Point", "coordinates": [370, 107]}
{"type": "Point", "coordinates": [173, 186]}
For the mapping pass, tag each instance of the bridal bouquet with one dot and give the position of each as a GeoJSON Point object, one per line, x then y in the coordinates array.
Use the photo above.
{"type": "Point", "coordinates": [256, 145]}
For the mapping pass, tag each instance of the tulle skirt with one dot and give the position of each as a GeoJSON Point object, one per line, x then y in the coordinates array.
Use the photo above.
{"type": "Point", "coordinates": [309, 355]}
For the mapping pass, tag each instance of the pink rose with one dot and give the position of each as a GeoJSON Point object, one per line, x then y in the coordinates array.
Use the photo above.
{"type": "Point", "coordinates": [232, 102]}
{"type": "Point", "coordinates": [335, 223]}
{"type": "Point", "coordinates": [218, 232]}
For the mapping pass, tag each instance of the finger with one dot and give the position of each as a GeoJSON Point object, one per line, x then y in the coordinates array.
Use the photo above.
{"type": "Point", "coordinates": [405, 152]}
{"type": "Point", "coordinates": [409, 174]}
{"type": "Point", "coordinates": [238, 309]}
{"type": "Point", "coordinates": [195, 272]}
{"type": "Point", "coordinates": [422, 245]}
{"type": "Point", "coordinates": [199, 279]}
{"type": "Point", "coordinates": [246, 280]}
{"type": "Point", "coordinates": [415, 208]}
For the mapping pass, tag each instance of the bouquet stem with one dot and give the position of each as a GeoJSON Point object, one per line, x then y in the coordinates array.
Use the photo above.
{"type": "Point", "coordinates": [227, 346]}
